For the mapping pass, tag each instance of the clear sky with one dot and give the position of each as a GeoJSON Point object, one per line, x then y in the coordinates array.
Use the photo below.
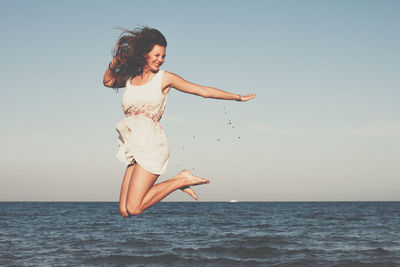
{"type": "Point", "coordinates": [325, 124]}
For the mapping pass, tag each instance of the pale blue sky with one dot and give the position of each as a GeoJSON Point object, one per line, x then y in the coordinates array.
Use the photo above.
{"type": "Point", "coordinates": [325, 124]}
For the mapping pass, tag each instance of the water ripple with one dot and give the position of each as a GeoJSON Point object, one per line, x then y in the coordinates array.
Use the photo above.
{"type": "Point", "coordinates": [201, 234]}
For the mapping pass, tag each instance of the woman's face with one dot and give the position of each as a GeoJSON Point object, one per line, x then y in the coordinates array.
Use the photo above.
{"type": "Point", "coordinates": [155, 58]}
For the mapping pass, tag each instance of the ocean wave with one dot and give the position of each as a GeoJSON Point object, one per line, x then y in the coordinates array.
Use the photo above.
{"type": "Point", "coordinates": [230, 251]}
{"type": "Point", "coordinates": [128, 259]}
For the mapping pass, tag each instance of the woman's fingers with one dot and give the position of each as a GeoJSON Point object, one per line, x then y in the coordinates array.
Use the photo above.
{"type": "Point", "coordinates": [247, 97]}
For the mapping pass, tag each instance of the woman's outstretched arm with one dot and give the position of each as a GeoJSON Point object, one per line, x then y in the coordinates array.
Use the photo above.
{"type": "Point", "coordinates": [173, 80]}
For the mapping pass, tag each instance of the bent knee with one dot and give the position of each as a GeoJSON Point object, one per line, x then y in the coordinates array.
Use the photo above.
{"type": "Point", "coordinates": [134, 210]}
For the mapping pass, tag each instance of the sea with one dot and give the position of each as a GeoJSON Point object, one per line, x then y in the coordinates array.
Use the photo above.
{"type": "Point", "coordinates": [201, 234]}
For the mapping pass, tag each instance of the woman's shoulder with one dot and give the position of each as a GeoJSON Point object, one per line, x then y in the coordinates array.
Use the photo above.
{"type": "Point", "coordinates": [167, 78]}
{"type": "Point", "coordinates": [168, 74]}
{"type": "Point", "coordinates": [164, 74]}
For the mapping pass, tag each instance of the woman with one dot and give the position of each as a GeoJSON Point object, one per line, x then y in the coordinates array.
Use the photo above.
{"type": "Point", "coordinates": [138, 56]}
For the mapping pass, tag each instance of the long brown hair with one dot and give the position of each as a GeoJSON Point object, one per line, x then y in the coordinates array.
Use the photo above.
{"type": "Point", "coordinates": [130, 52]}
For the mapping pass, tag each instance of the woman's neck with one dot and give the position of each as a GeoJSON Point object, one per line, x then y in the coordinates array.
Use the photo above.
{"type": "Point", "coordinates": [143, 78]}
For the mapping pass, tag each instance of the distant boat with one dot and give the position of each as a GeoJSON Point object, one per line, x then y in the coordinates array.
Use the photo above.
{"type": "Point", "coordinates": [233, 201]}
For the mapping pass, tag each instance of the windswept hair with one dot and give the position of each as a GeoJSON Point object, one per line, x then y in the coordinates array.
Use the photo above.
{"type": "Point", "coordinates": [130, 52]}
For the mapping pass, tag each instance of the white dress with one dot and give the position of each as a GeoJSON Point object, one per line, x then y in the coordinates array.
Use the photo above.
{"type": "Point", "coordinates": [141, 137]}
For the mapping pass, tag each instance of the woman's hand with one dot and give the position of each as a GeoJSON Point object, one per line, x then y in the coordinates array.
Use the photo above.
{"type": "Point", "coordinates": [243, 98]}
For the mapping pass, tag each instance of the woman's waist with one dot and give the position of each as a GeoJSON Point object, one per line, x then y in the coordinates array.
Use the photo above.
{"type": "Point", "coordinates": [133, 112]}
{"type": "Point", "coordinates": [137, 122]}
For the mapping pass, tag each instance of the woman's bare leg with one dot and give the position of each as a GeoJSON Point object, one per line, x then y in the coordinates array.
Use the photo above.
{"type": "Point", "coordinates": [125, 186]}
{"type": "Point", "coordinates": [124, 190]}
{"type": "Point", "coordinates": [159, 191]}
{"type": "Point", "coordinates": [142, 194]}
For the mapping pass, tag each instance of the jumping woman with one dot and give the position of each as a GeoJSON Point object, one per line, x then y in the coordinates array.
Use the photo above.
{"type": "Point", "coordinates": [143, 147]}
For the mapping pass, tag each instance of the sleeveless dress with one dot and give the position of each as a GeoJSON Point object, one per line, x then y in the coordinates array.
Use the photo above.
{"type": "Point", "coordinates": [141, 137]}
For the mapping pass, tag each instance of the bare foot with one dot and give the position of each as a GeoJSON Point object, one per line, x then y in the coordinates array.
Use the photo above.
{"type": "Point", "coordinates": [189, 179]}
{"type": "Point", "coordinates": [188, 190]}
